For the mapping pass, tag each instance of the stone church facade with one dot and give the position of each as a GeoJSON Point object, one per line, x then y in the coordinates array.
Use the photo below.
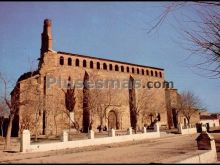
{"type": "Point", "coordinates": [43, 91]}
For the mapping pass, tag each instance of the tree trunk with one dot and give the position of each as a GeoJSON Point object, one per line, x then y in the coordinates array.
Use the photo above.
{"type": "Point", "coordinates": [101, 124]}
{"type": "Point", "coordinates": [36, 129]}
{"type": "Point", "coordinates": [8, 135]}
{"type": "Point", "coordinates": [136, 123]}
{"type": "Point", "coordinates": [36, 133]}
{"type": "Point", "coordinates": [55, 122]}
{"type": "Point", "coordinates": [188, 120]}
{"type": "Point", "coordinates": [2, 131]}
{"type": "Point", "coordinates": [69, 124]}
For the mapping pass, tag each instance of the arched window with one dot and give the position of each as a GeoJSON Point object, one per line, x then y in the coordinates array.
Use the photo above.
{"type": "Point", "coordinates": [132, 70]}
{"type": "Point", "coordinates": [122, 68]}
{"type": "Point", "coordinates": [84, 63]}
{"type": "Point", "coordinates": [116, 68]}
{"type": "Point", "coordinates": [61, 60]}
{"type": "Point", "coordinates": [77, 62]}
{"type": "Point", "coordinates": [104, 66]}
{"type": "Point", "coordinates": [137, 71]}
{"type": "Point", "coordinates": [70, 61]}
{"type": "Point", "coordinates": [147, 72]}
{"type": "Point", "coordinates": [98, 65]}
{"type": "Point", "coordinates": [110, 66]}
{"type": "Point", "coordinates": [160, 74]}
{"type": "Point", "coordinates": [91, 64]}
{"type": "Point", "coordinates": [128, 69]}
{"type": "Point", "coordinates": [156, 73]}
{"type": "Point", "coordinates": [152, 73]}
{"type": "Point", "coordinates": [142, 71]}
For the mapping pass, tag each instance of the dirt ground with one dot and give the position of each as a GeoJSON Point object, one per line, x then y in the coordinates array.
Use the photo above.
{"type": "Point", "coordinates": [166, 149]}
{"type": "Point", "coordinates": [145, 151]}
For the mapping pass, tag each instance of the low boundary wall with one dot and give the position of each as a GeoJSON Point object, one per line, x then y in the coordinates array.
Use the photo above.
{"type": "Point", "coordinates": [207, 157]}
{"type": "Point", "coordinates": [207, 150]}
{"type": "Point", "coordinates": [187, 130]}
{"type": "Point", "coordinates": [26, 146]}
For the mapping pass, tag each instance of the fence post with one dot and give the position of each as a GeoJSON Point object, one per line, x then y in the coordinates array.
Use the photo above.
{"type": "Point", "coordinates": [91, 134]}
{"type": "Point", "coordinates": [64, 136]}
{"type": "Point", "coordinates": [129, 131]}
{"type": "Point", "coordinates": [156, 127]}
{"type": "Point", "coordinates": [180, 128]}
{"type": "Point", "coordinates": [25, 141]}
{"type": "Point", "coordinates": [112, 132]}
{"type": "Point", "coordinates": [145, 130]}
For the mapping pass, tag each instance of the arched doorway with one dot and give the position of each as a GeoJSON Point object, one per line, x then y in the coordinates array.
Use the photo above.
{"type": "Point", "coordinates": [112, 120]}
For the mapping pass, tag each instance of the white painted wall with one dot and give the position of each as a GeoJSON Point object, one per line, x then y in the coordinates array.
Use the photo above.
{"type": "Point", "coordinates": [208, 156]}
{"type": "Point", "coordinates": [82, 143]}
{"type": "Point", "coordinates": [212, 123]}
{"type": "Point", "coordinates": [186, 130]}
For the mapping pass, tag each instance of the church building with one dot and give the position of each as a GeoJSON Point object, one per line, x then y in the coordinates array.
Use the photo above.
{"type": "Point", "coordinates": [83, 92]}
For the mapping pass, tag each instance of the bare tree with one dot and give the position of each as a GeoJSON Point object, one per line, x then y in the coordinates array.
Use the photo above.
{"type": "Point", "coordinates": [3, 113]}
{"type": "Point", "coordinates": [21, 95]}
{"type": "Point", "coordinates": [147, 107]}
{"type": "Point", "coordinates": [189, 105]}
{"type": "Point", "coordinates": [107, 99]}
{"type": "Point", "coordinates": [12, 104]}
{"type": "Point", "coordinates": [204, 35]}
{"type": "Point", "coordinates": [100, 100]}
{"type": "Point", "coordinates": [140, 105]}
{"type": "Point", "coordinates": [70, 101]}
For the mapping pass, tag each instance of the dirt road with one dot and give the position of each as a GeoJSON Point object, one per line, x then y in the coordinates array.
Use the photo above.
{"type": "Point", "coordinates": [161, 150]}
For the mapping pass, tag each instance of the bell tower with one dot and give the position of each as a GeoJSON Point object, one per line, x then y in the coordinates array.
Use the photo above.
{"type": "Point", "coordinates": [46, 37]}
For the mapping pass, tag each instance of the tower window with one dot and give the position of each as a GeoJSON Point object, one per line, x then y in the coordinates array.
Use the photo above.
{"type": "Point", "coordinates": [98, 65]}
{"type": "Point", "coordinates": [156, 73]}
{"type": "Point", "coordinates": [77, 62]}
{"type": "Point", "coordinates": [116, 68]}
{"type": "Point", "coordinates": [104, 66]}
{"type": "Point", "coordinates": [147, 71]}
{"type": "Point", "coordinates": [160, 74]}
{"type": "Point", "coordinates": [122, 68]}
{"type": "Point", "coordinates": [84, 63]}
{"type": "Point", "coordinates": [132, 70]}
{"type": "Point", "coordinates": [69, 61]}
{"type": "Point", "coordinates": [110, 66]}
{"type": "Point", "coordinates": [137, 71]}
{"type": "Point", "coordinates": [142, 71]}
{"type": "Point", "coordinates": [91, 64]}
{"type": "Point", "coordinates": [128, 69]}
{"type": "Point", "coordinates": [61, 60]}
{"type": "Point", "coordinates": [152, 73]}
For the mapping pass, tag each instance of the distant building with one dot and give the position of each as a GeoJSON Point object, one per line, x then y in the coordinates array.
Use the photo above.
{"type": "Point", "coordinates": [212, 119]}
{"type": "Point", "coordinates": [174, 114]}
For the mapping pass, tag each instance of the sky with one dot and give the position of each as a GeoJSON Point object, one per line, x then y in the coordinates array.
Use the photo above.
{"type": "Point", "coordinates": [112, 30]}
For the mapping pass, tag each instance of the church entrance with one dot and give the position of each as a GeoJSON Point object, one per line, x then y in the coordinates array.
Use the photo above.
{"type": "Point", "coordinates": [112, 120]}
